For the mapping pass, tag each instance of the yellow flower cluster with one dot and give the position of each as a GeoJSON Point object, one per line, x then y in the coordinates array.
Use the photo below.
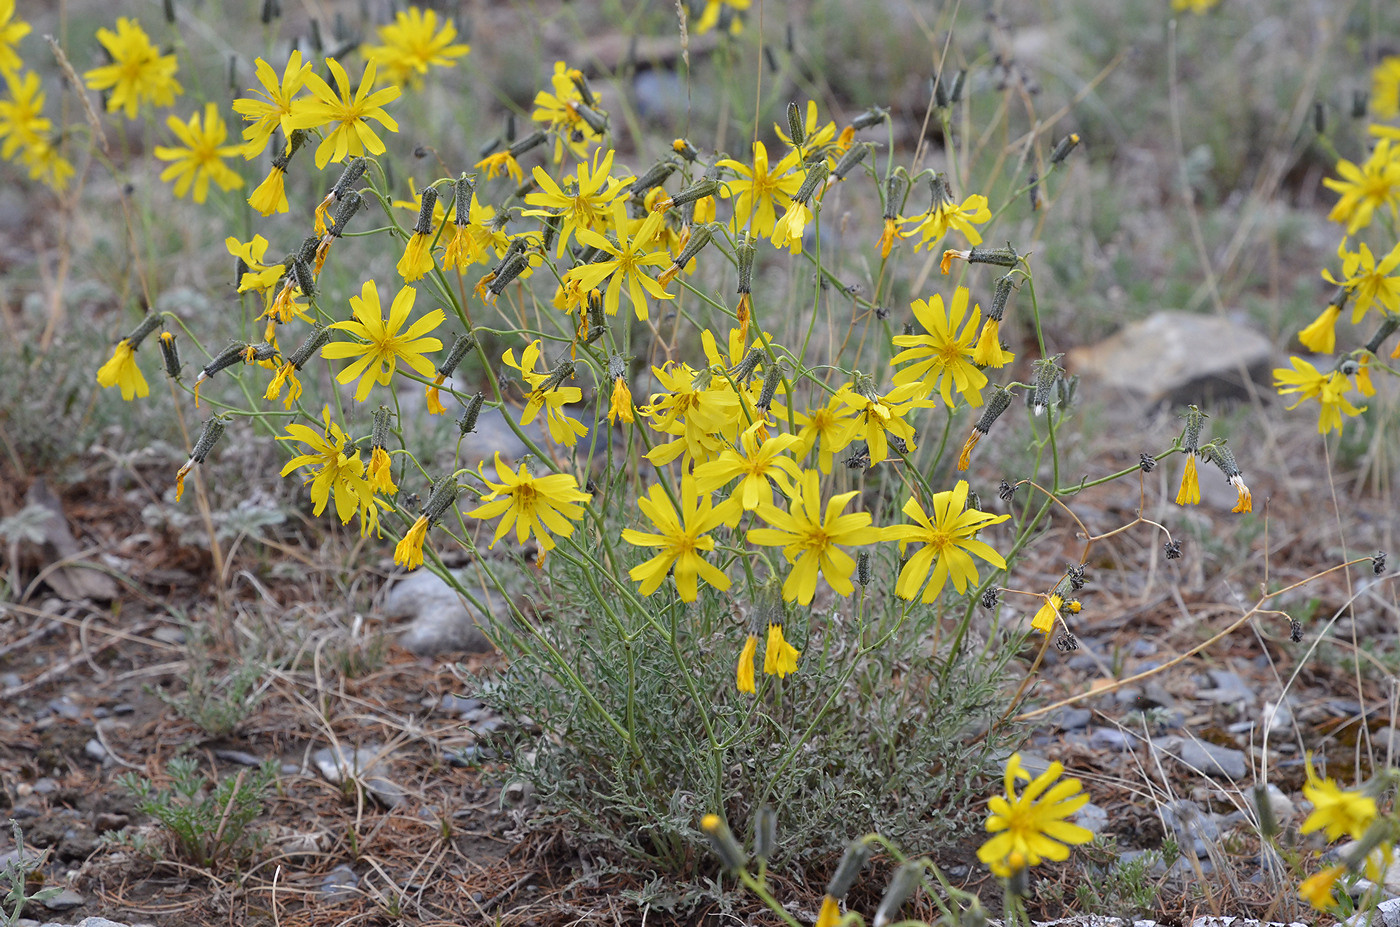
{"type": "Point", "coordinates": [1370, 271]}
{"type": "Point", "coordinates": [26, 134]}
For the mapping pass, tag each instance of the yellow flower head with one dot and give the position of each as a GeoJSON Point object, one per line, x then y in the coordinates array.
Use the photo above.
{"type": "Point", "coordinates": [22, 120]}
{"type": "Point", "coordinates": [1328, 389]}
{"type": "Point", "coordinates": [202, 158]}
{"type": "Point", "coordinates": [949, 541]}
{"type": "Point", "coordinates": [759, 191]}
{"type": "Point", "coordinates": [1032, 827]}
{"type": "Point", "coordinates": [11, 31]}
{"type": "Point", "coordinates": [1317, 888]}
{"type": "Point", "coordinates": [413, 43]}
{"type": "Point", "coordinates": [385, 341]}
{"type": "Point", "coordinates": [559, 111]}
{"type": "Point", "coordinates": [1190, 491]}
{"type": "Point", "coordinates": [812, 537]}
{"type": "Point", "coordinates": [944, 215]}
{"type": "Point", "coordinates": [744, 675]}
{"type": "Point", "coordinates": [1363, 189]}
{"type": "Point", "coordinates": [680, 536]}
{"type": "Point", "coordinates": [334, 472]}
{"type": "Point", "coordinates": [548, 393]}
{"type": "Point", "coordinates": [942, 357]}
{"type": "Point", "coordinates": [138, 74]}
{"type": "Point", "coordinates": [348, 116]}
{"type": "Point", "coordinates": [779, 657]}
{"type": "Point", "coordinates": [1368, 281]}
{"type": "Point", "coordinates": [409, 551]}
{"type": "Point", "coordinates": [122, 371]}
{"type": "Point", "coordinates": [534, 505]}
{"type": "Point", "coordinates": [1049, 612]}
{"type": "Point", "coordinates": [1385, 88]}
{"type": "Point", "coordinates": [582, 203]}
{"type": "Point", "coordinates": [279, 104]}
{"type": "Point", "coordinates": [1336, 811]}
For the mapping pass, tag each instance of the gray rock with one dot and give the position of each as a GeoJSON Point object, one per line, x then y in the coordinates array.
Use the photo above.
{"type": "Point", "coordinates": [1074, 719]}
{"type": "Point", "coordinates": [1110, 738]}
{"type": "Point", "coordinates": [1177, 357]}
{"type": "Point", "coordinates": [239, 757]}
{"type": "Point", "coordinates": [94, 749]}
{"type": "Point", "coordinates": [440, 621]}
{"type": "Point", "coordinates": [339, 884]}
{"type": "Point", "coordinates": [337, 764]}
{"type": "Point", "coordinates": [1210, 759]}
{"type": "Point", "coordinates": [458, 705]}
{"type": "Point", "coordinates": [65, 900]}
{"type": "Point", "coordinates": [1229, 688]}
{"type": "Point", "coordinates": [1092, 817]}
{"type": "Point", "coordinates": [99, 922]}
{"type": "Point", "coordinates": [64, 708]}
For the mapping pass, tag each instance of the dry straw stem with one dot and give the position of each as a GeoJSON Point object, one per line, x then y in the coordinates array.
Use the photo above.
{"type": "Point", "coordinates": [1234, 626]}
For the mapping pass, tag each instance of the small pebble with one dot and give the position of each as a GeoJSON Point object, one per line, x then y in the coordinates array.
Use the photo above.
{"type": "Point", "coordinates": [94, 749]}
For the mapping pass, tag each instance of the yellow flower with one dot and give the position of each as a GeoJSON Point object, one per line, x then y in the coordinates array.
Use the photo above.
{"type": "Point", "coordinates": [788, 231]}
{"type": "Point", "coordinates": [828, 425]}
{"type": "Point", "coordinates": [1385, 87]}
{"type": "Point", "coordinates": [379, 473]}
{"type": "Point", "coordinates": [278, 107]}
{"type": "Point", "coordinates": [753, 464]}
{"type": "Point", "coordinates": [1336, 810]}
{"type": "Point", "coordinates": [949, 541]}
{"type": "Point", "coordinates": [271, 195]}
{"type": "Point", "coordinates": [815, 139]}
{"type": "Point", "coordinates": [385, 344]}
{"type": "Point", "coordinates": [989, 352]}
{"type": "Point", "coordinates": [552, 397]}
{"type": "Point", "coordinates": [586, 205]}
{"type": "Point", "coordinates": [1363, 189]}
{"type": "Point", "coordinates": [629, 256]}
{"type": "Point", "coordinates": [534, 505]}
{"type": "Point", "coordinates": [47, 165]}
{"type": "Point", "coordinates": [1190, 491]}
{"type": "Point", "coordinates": [1369, 281]}
{"type": "Point", "coordinates": [286, 375]}
{"type": "Point", "coordinates": [933, 225]}
{"type": "Point", "coordinates": [11, 31]}
{"type": "Point", "coordinates": [709, 17]}
{"type": "Point", "coordinates": [1317, 888]}
{"type": "Point", "coordinates": [1049, 612]}
{"type": "Point", "coordinates": [743, 678]}
{"type": "Point", "coordinates": [22, 121]}
{"type": "Point", "coordinates": [499, 161]}
{"type": "Point", "coordinates": [830, 913]}
{"type": "Point", "coordinates": [560, 112]}
{"type": "Point", "coordinates": [943, 356]}
{"type": "Point", "coordinates": [202, 158]}
{"type": "Point", "coordinates": [1195, 6]}
{"type": "Point", "coordinates": [620, 406]}
{"type": "Point", "coordinates": [122, 371]}
{"type": "Point", "coordinates": [877, 418]}
{"type": "Point", "coordinates": [1328, 389]}
{"type": "Point", "coordinates": [335, 471]}
{"type": "Point", "coordinates": [757, 198]}
{"type": "Point", "coordinates": [811, 539]}
{"type": "Point", "coordinates": [681, 536]}
{"type": "Point", "coordinates": [1031, 827]}
{"type": "Point", "coordinates": [352, 134]}
{"type": "Point", "coordinates": [417, 257]}
{"type": "Point", "coordinates": [138, 74]}
{"type": "Point", "coordinates": [413, 43]}
{"type": "Point", "coordinates": [474, 242]}
{"type": "Point", "coordinates": [409, 551]}
{"type": "Point", "coordinates": [779, 657]}
{"type": "Point", "coordinates": [1320, 337]}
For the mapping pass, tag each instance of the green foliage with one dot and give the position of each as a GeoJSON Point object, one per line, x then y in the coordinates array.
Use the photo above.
{"type": "Point", "coordinates": [1125, 888]}
{"type": "Point", "coordinates": [16, 874]}
{"type": "Point", "coordinates": [216, 701]}
{"type": "Point", "coordinates": [209, 826]}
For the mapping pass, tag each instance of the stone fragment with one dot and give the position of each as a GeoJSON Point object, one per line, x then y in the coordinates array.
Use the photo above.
{"type": "Point", "coordinates": [1178, 358]}
{"type": "Point", "coordinates": [440, 620]}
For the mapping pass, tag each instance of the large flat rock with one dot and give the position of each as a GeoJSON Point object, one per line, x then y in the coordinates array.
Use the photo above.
{"type": "Point", "coordinates": [1178, 358]}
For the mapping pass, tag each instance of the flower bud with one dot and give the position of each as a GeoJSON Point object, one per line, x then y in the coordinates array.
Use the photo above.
{"type": "Point", "coordinates": [315, 340]}
{"type": "Point", "coordinates": [745, 252]}
{"type": "Point", "coordinates": [510, 268]}
{"type": "Point", "coordinates": [1264, 809]}
{"type": "Point", "coordinates": [209, 436]}
{"type": "Point", "coordinates": [303, 277]}
{"type": "Point", "coordinates": [894, 189]}
{"type": "Point", "coordinates": [596, 121]}
{"type": "Point", "coordinates": [1146, 462]}
{"type": "Point", "coordinates": [170, 354]}
{"type": "Point", "coordinates": [1387, 328]}
{"type": "Point", "coordinates": [1191, 438]}
{"type": "Point", "coordinates": [1047, 377]}
{"type": "Point", "coordinates": [1065, 146]}
{"type": "Point", "coordinates": [765, 832]}
{"type": "Point", "coordinates": [345, 210]}
{"type": "Point", "coordinates": [696, 191]}
{"type": "Point", "coordinates": [1002, 257]}
{"type": "Point", "coordinates": [533, 140]}
{"type": "Point", "coordinates": [654, 176]}
{"type": "Point", "coordinates": [852, 862]}
{"type": "Point", "coordinates": [872, 116]}
{"type": "Point", "coordinates": [853, 156]}
{"type": "Point", "coordinates": [816, 179]}
{"type": "Point", "coordinates": [902, 884]}
{"type": "Point", "coordinates": [797, 131]}
{"type": "Point", "coordinates": [722, 841]}
{"type": "Point", "coordinates": [424, 225]}
{"type": "Point", "coordinates": [467, 423]}
{"type": "Point", "coordinates": [226, 358]}
{"type": "Point", "coordinates": [682, 147]}
{"type": "Point", "coordinates": [149, 323]}
{"type": "Point", "coordinates": [354, 169]}
{"type": "Point", "coordinates": [745, 368]}
{"type": "Point", "coordinates": [442, 497]}
{"type": "Point", "coordinates": [462, 192]}
{"type": "Point", "coordinates": [863, 572]}
{"type": "Point", "coordinates": [379, 433]}
{"type": "Point", "coordinates": [460, 346]}
{"type": "Point", "coordinates": [999, 402]}
{"type": "Point", "coordinates": [700, 236]}
{"type": "Point", "coordinates": [1033, 189]}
